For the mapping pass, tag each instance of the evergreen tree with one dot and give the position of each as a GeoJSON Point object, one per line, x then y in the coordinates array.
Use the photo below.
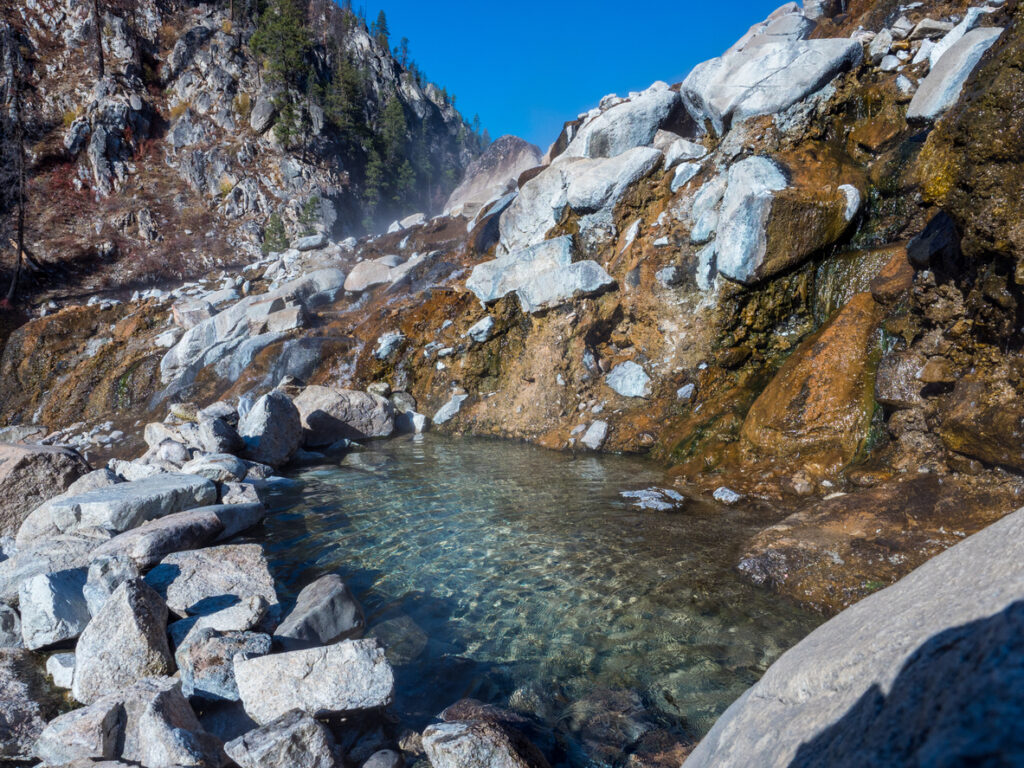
{"type": "Point", "coordinates": [393, 131]}
{"type": "Point", "coordinates": [275, 239]}
{"type": "Point", "coordinates": [380, 30]}
{"type": "Point", "coordinates": [402, 52]}
{"type": "Point", "coordinates": [282, 42]}
{"type": "Point", "coordinates": [405, 183]}
{"type": "Point", "coordinates": [373, 187]}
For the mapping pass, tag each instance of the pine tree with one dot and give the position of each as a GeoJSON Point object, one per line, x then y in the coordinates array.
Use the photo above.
{"type": "Point", "coordinates": [282, 42]}
{"type": "Point", "coordinates": [393, 131]}
{"type": "Point", "coordinates": [373, 187]}
{"type": "Point", "coordinates": [275, 239]}
{"type": "Point", "coordinates": [380, 30]}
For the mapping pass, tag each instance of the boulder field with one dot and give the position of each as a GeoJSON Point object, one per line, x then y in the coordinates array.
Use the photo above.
{"type": "Point", "coordinates": [795, 278]}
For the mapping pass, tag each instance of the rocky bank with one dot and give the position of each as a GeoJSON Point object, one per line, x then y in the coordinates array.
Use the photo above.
{"type": "Point", "coordinates": [793, 277]}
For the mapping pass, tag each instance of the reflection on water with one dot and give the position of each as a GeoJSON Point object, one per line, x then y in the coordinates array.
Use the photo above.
{"type": "Point", "coordinates": [522, 577]}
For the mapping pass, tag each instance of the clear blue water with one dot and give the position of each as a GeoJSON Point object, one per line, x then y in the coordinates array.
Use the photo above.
{"type": "Point", "coordinates": [524, 578]}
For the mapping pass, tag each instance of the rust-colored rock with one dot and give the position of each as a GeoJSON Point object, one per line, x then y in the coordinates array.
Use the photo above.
{"type": "Point", "coordinates": [820, 402]}
{"type": "Point", "coordinates": [835, 552]}
{"type": "Point", "coordinates": [895, 278]}
{"type": "Point", "coordinates": [983, 423]}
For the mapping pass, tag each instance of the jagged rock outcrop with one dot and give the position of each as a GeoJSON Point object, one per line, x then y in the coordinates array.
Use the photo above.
{"type": "Point", "coordinates": [490, 175]}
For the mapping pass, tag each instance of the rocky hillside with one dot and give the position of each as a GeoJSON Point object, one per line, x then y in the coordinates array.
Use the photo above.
{"type": "Point", "coordinates": [214, 130]}
{"type": "Point", "coordinates": [793, 277]}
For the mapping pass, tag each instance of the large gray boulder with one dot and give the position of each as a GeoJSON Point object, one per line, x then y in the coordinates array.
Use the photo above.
{"type": "Point", "coordinates": [49, 555]}
{"type": "Point", "coordinates": [589, 187]}
{"type": "Point", "coordinates": [161, 730]}
{"type": "Point", "coordinates": [561, 285]}
{"type": "Point", "coordinates": [219, 467]}
{"type": "Point", "coordinates": [742, 240]}
{"type": "Point", "coordinates": [126, 640]}
{"type": "Point", "coordinates": [206, 661]}
{"type": "Point", "coordinates": [123, 506]}
{"type": "Point", "coordinates": [367, 274]}
{"type": "Point", "coordinates": [293, 740]}
{"type": "Point", "coordinates": [272, 430]}
{"type": "Point", "coordinates": [325, 612]}
{"type": "Point", "coordinates": [926, 672]}
{"type": "Point", "coordinates": [217, 436]}
{"type": "Point", "coordinates": [350, 676]}
{"type": "Point", "coordinates": [203, 581]}
{"type": "Point", "coordinates": [89, 733]}
{"type": "Point", "coordinates": [329, 415]}
{"type": "Point", "coordinates": [625, 126]}
{"type": "Point", "coordinates": [30, 475]}
{"type": "Point", "coordinates": [53, 608]}
{"type": "Point", "coordinates": [26, 703]}
{"type": "Point", "coordinates": [491, 280]}
{"type": "Point", "coordinates": [764, 77]}
{"type": "Point", "coordinates": [941, 89]}
{"type": "Point", "coordinates": [490, 175]}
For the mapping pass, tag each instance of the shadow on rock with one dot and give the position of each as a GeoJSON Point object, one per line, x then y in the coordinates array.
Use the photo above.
{"type": "Point", "coordinates": [958, 701]}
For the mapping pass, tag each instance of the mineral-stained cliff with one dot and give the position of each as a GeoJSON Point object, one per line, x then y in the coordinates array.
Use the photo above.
{"type": "Point", "coordinates": [794, 277]}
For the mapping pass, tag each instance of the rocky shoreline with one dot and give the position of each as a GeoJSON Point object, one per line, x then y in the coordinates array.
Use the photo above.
{"type": "Point", "coordinates": [172, 639]}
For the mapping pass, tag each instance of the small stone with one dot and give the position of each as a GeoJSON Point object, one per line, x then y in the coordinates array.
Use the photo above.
{"type": "Point", "coordinates": [686, 392]}
{"type": "Point", "coordinates": [449, 410]}
{"type": "Point", "coordinates": [629, 380]}
{"type": "Point", "coordinates": [61, 668]}
{"type": "Point", "coordinates": [481, 331]}
{"type": "Point", "coordinates": [10, 627]}
{"type": "Point", "coordinates": [727, 496]}
{"type": "Point", "coordinates": [595, 436]}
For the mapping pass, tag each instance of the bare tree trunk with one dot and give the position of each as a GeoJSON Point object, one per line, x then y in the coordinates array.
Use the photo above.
{"type": "Point", "coordinates": [98, 20]}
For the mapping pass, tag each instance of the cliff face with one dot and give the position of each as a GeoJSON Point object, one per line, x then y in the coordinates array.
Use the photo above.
{"type": "Point", "coordinates": [792, 277]}
{"type": "Point", "coordinates": [179, 157]}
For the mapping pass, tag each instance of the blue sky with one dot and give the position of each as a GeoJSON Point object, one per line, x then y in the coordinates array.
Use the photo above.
{"type": "Point", "coordinates": [528, 66]}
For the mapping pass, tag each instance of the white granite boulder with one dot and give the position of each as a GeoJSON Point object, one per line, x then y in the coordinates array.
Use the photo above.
{"type": "Point", "coordinates": [941, 89]}
{"type": "Point", "coordinates": [328, 415]}
{"type": "Point", "coordinates": [347, 677]}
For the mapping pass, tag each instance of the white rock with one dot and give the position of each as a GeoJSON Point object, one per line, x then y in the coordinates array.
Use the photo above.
{"type": "Point", "coordinates": [727, 496]}
{"type": "Point", "coordinates": [293, 740]}
{"type": "Point", "coordinates": [941, 89]}
{"type": "Point", "coordinates": [272, 430]}
{"type": "Point", "coordinates": [53, 608]}
{"type": "Point", "coordinates": [629, 380]}
{"type": "Point", "coordinates": [562, 284]}
{"type": "Point", "coordinates": [955, 35]}
{"type": "Point", "coordinates": [481, 330]}
{"type": "Point", "coordinates": [747, 202]}
{"type": "Point", "coordinates": [595, 435]}
{"type": "Point", "coordinates": [449, 410]}
{"type": "Point", "coordinates": [627, 125]}
{"type": "Point", "coordinates": [683, 174]}
{"type": "Point", "coordinates": [61, 668]}
{"type": "Point", "coordinates": [350, 676]}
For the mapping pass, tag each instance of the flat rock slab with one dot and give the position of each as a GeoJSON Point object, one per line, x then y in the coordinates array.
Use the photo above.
{"type": "Point", "coordinates": [203, 581]}
{"type": "Point", "coordinates": [127, 505]}
{"type": "Point", "coordinates": [350, 676]}
{"type": "Point", "coordinates": [148, 544]}
{"type": "Point", "coordinates": [927, 671]}
{"type": "Point", "coordinates": [31, 474]}
{"type": "Point", "coordinates": [941, 88]}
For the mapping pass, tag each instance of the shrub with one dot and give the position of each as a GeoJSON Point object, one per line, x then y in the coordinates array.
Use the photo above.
{"type": "Point", "coordinates": [242, 104]}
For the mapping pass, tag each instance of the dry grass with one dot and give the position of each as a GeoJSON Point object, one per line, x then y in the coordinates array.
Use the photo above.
{"type": "Point", "coordinates": [242, 104]}
{"type": "Point", "coordinates": [179, 109]}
